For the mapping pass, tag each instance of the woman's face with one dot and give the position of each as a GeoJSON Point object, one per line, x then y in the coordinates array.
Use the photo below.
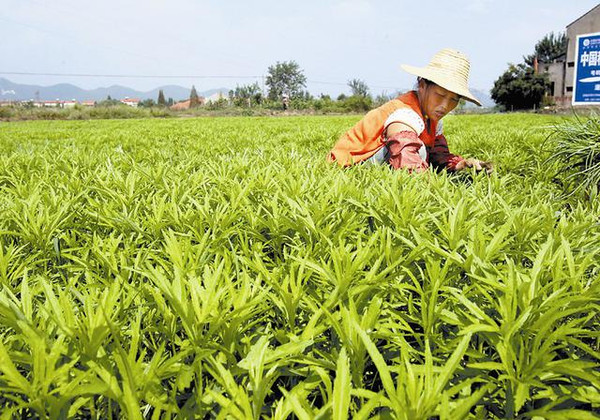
{"type": "Point", "coordinates": [436, 101]}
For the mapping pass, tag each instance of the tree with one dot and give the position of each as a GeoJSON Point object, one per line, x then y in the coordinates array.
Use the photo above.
{"type": "Point", "coordinates": [520, 87]}
{"type": "Point", "coordinates": [286, 77]}
{"type": "Point", "coordinates": [194, 99]}
{"type": "Point", "coordinates": [358, 87]}
{"type": "Point", "coordinates": [548, 48]}
{"type": "Point", "coordinates": [161, 98]}
{"type": "Point", "coordinates": [383, 97]}
{"type": "Point", "coordinates": [360, 100]}
{"type": "Point", "coordinates": [109, 102]}
{"type": "Point", "coordinates": [147, 103]}
{"type": "Point", "coordinates": [246, 95]}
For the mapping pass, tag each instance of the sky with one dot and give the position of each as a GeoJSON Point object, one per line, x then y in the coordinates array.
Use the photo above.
{"type": "Point", "coordinates": [224, 43]}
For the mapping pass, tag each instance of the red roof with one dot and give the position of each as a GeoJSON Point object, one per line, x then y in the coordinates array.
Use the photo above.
{"type": "Point", "coordinates": [181, 105]}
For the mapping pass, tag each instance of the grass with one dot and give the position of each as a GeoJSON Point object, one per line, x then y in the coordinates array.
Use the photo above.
{"type": "Point", "coordinates": [221, 268]}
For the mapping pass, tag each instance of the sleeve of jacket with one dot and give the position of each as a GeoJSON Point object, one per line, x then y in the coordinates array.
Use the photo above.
{"type": "Point", "coordinates": [439, 155]}
{"type": "Point", "coordinates": [404, 149]}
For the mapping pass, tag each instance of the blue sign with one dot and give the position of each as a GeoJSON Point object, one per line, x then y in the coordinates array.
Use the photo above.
{"type": "Point", "coordinates": [586, 81]}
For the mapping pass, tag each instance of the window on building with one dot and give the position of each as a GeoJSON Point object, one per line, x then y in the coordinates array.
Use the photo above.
{"type": "Point", "coordinates": [552, 89]}
{"type": "Point", "coordinates": [571, 64]}
{"type": "Point", "coordinates": [569, 88]}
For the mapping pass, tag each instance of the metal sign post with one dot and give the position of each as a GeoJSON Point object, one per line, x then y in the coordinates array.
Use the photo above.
{"type": "Point", "coordinates": [586, 79]}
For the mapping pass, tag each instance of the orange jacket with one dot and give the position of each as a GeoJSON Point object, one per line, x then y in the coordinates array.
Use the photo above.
{"type": "Point", "coordinates": [364, 139]}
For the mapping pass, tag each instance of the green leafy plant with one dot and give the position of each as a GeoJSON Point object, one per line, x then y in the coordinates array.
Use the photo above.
{"type": "Point", "coordinates": [576, 149]}
{"type": "Point", "coordinates": [155, 268]}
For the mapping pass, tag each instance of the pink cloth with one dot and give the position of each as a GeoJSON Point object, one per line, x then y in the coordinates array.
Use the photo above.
{"type": "Point", "coordinates": [440, 156]}
{"type": "Point", "coordinates": [404, 151]}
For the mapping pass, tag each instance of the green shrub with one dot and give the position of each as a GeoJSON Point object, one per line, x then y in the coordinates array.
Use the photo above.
{"type": "Point", "coordinates": [6, 112]}
{"type": "Point", "coordinates": [576, 151]}
{"type": "Point", "coordinates": [221, 103]}
{"type": "Point", "coordinates": [357, 103]}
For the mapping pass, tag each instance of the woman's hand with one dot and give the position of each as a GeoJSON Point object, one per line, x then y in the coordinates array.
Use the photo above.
{"type": "Point", "coordinates": [478, 165]}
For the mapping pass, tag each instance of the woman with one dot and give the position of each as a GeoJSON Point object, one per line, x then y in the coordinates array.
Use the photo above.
{"type": "Point", "coordinates": [407, 132]}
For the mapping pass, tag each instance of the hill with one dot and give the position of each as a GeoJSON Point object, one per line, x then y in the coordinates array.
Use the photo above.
{"type": "Point", "coordinates": [66, 91]}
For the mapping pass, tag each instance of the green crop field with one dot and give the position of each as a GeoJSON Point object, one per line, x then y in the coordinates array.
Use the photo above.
{"type": "Point", "coordinates": [220, 268]}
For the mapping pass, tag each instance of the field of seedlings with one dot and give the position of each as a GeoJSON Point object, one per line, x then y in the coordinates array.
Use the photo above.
{"type": "Point", "coordinates": [220, 268]}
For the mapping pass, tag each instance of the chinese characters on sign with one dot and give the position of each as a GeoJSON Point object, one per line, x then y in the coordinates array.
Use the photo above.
{"type": "Point", "coordinates": [589, 59]}
{"type": "Point", "coordinates": [586, 80]}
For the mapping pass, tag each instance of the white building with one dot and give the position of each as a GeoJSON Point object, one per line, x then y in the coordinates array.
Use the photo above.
{"type": "Point", "coordinates": [215, 97]}
{"type": "Point", "coordinates": [134, 102]}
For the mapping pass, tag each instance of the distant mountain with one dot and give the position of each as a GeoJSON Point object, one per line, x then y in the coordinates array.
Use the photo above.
{"type": "Point", "coordinates": [65, 91]}
{"type": "Point", "coordinates": [484, 97]}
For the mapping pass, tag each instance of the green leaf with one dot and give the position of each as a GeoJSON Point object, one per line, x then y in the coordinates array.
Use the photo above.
{"type": "Point", "coordinates": [521, 395]}
{"type": "Point", "coordinates": [341, 387]}
{"type": "Point", "coordinates": [451, 365]}
{"type": "Point", "coordinates": [11, 374]}
{"type": "Point", "coordinates": [382, 368]}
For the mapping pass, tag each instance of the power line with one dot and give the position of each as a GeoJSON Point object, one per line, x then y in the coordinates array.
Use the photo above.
{"type": "Point", "coordinates": [346, 84]}
{"type": "Point", "coordinates": [143, 76]}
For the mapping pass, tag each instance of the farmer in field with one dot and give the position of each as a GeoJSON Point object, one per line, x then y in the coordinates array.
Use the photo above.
{"type": "Point", "coordinates": [407, 132]}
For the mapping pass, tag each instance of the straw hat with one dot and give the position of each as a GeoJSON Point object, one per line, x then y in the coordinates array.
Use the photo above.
{"type": "Point", "coordinates": [449, 69]}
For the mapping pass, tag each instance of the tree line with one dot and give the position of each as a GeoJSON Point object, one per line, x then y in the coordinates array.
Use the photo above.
{"type": "Point", "coordinates": [521, 86]}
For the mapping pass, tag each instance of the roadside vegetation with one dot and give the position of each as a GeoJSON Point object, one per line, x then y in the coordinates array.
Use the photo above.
{"type": "Point", "coordinates": [234, 106]}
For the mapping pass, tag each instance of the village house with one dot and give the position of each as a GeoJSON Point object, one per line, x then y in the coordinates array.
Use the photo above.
{"type": "Point", "coordinates": [69, 104]}
{"type": "Point", "coordinates": [561, 70]}
{"type": "Point", "coordinates": [183, 105]}
{"type": "Point", "coordinates": [51, 104]}
{"type": "Point", "coordinates": [134, 102]}
{"type": "Point", "coordinates": [48, 104]}
{"type": "Point", "coordinates": [215, 97]}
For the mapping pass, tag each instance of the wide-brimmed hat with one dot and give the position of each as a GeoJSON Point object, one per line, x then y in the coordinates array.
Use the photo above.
{"type": "Point", "coordinates": [449, 69]}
